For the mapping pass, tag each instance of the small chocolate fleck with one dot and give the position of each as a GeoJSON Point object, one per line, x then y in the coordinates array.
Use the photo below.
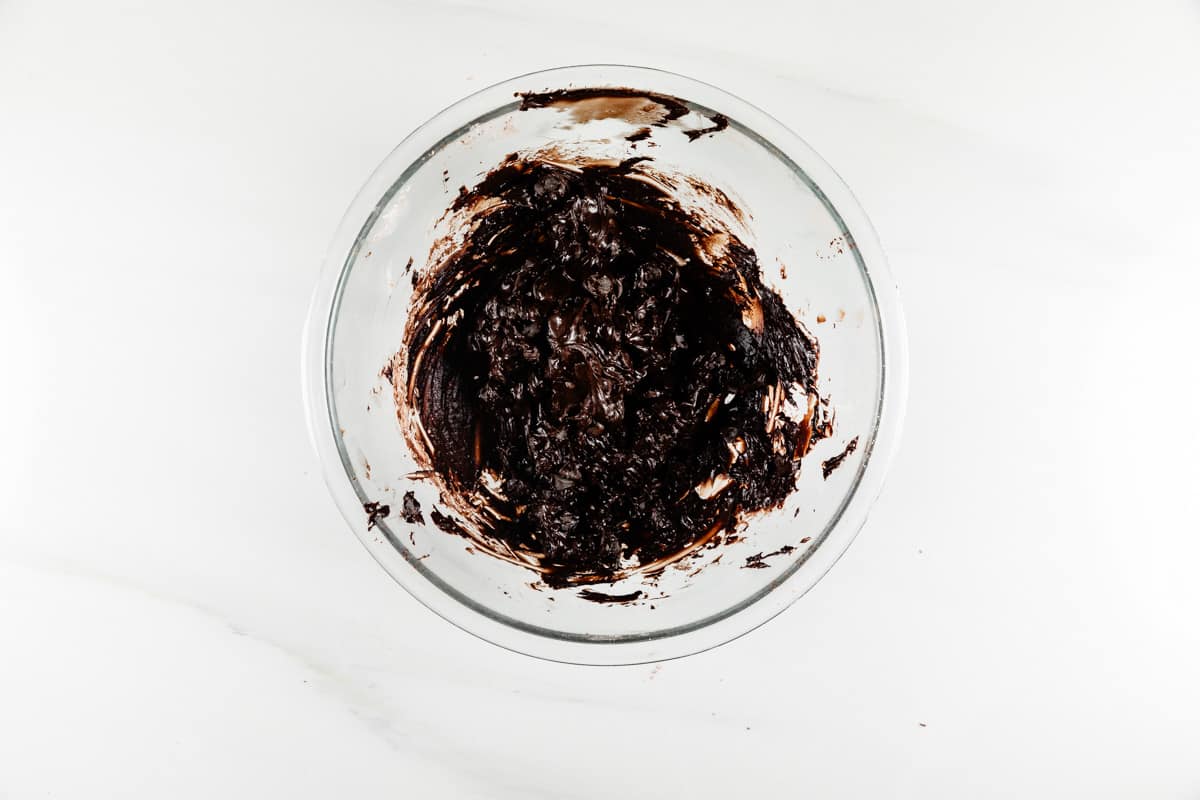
{"type": "Point", "coordinates": [410, 509]}
{"type": "Point", "coordinates": [638, 135]}
{"type": "Point", "coordinates": [601, 597]}
{"type": "Point", "coordinates": [375, 512]}
{"type": "Point", "coordinates": [830, 464]}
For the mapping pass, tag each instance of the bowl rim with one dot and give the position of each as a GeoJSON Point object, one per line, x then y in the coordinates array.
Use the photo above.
{"type": "Point", "coordinates": [712, 631]}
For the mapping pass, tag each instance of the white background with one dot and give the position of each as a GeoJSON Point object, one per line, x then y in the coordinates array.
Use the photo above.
{"type": "Point", "coordinates": [184, 614]}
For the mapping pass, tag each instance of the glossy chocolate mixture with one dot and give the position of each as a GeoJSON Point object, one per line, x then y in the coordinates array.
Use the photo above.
{"type": "Point", "coordinates": [598, 378]}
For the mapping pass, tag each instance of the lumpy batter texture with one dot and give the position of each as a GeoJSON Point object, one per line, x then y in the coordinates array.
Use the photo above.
{"type": "Point", "coordinates": [596, 375]}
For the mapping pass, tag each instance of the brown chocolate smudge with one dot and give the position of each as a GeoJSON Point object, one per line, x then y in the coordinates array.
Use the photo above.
{"type": "Point", "coordinates": [474, 349]}
{"type": "Point", "coordinates": [759, 560]}
{"type": "Point", "coordinates": [601, 597]}
{"type": "Point", "coordinates": [719, 123]}
{"type": "Point", "coordinates": [375, 512]}
{"type": "Point", "coordinates": [594, 103]}
{"type": "Point", "coordinates": [830, 464]}
{"type": "Point", "coordinates": [410, 509]}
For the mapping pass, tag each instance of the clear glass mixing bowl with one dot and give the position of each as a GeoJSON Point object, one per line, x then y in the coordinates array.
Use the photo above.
{"type": "Point", "coordinates": [818, 251]}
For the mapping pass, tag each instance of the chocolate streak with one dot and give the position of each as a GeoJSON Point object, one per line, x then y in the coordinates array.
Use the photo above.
{"type": "Point", "coordinates": [830, 464]}
{"type": "Point", "coordinates": [598, 102]}
{"type": "Point", "coordinates": [601, 597]}
{"type": "Point", "coordinates": [410, 510]}
{"type": "Point", "coordinates": [719, 123]}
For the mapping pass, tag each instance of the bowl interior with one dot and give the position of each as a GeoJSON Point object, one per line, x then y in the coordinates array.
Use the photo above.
{"type": "Point", "coordinates": [808, 252]}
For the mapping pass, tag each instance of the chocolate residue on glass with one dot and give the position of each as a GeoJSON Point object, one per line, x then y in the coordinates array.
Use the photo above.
{"type": "Point", "coordinates": [719, 123]}
{"type": "Point", "coordinates": [830, 464]}
{"type": "Point", "coordinates": [375, 512]}
{"type": "Point", "coordinates": [447, 524]}
{"type": "Point", "coordinates": [595, 374]}
{"type": "Point", "coordinates": [632, 105]}
{"type": "Point", "coordinates": [601, 597]}
{"type": "Point", "coordinates": [759, 560]}
{"type": "Point", "coordinates": [410, 509]}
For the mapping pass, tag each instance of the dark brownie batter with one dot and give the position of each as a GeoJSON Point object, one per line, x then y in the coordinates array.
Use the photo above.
{"type": "Point", "coordinates": [597, 376]}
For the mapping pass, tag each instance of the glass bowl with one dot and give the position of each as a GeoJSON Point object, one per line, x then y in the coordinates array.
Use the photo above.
{"type": "Point", "coordinates": [816, 248]}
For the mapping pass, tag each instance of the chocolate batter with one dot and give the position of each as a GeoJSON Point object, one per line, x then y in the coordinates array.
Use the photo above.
{"type": "Point", "coordinates": [597, 376]}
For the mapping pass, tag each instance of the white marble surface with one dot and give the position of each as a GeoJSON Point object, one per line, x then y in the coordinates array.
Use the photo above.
{"type": "Point", "coordinates": [183, 613]}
